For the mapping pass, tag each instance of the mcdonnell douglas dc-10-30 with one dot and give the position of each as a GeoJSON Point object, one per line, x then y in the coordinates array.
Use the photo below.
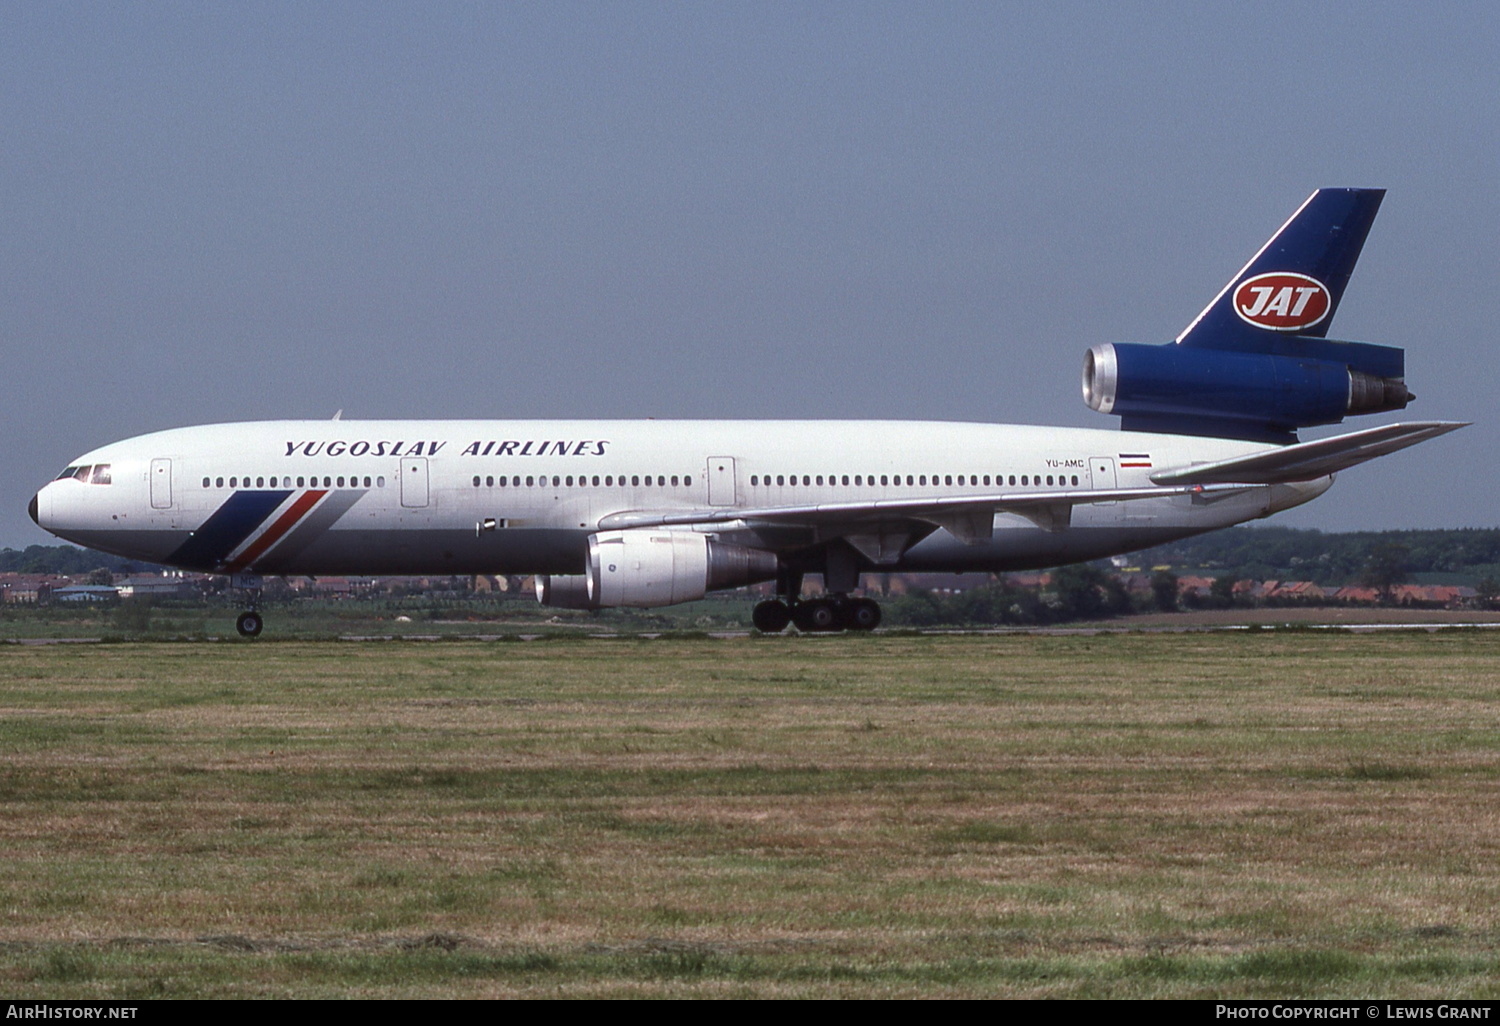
{"type": "Point", "coordinates": [652, 513]}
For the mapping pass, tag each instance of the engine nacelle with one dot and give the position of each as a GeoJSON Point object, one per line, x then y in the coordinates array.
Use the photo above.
{"type": "Point", "coordinates": [565, 591]}
{"type": "Point", "coordinates": [1264, 396]}
{"type": "Point", "coordinates": [654, 568]}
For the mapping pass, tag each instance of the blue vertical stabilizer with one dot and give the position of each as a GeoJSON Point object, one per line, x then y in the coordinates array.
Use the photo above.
{"type": "Point", "coordinates": [1295, 283]}
{"type": "Point", "coordinates": [1257, 363]}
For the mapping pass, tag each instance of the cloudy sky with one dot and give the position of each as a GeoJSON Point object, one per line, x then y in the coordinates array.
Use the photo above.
{"type": "Point", "coordinates": [252, 211]}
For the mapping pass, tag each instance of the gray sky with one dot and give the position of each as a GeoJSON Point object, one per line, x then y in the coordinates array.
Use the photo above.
{"type": "Point", "coordinates": [252, 211]}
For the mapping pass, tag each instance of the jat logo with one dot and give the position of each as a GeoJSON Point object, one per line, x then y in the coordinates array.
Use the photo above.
{"type": "Point", "coordinates": [1282, 301]}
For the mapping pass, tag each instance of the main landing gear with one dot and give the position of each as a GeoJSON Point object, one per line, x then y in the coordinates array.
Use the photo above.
{"type": "Point", "coordinates": [818, 616]}
{"type": "Point", "coordinates": [250, 622]}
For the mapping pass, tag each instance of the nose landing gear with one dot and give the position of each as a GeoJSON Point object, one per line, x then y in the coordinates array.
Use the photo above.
{"type": "Point", "coordinates": [250, 622]}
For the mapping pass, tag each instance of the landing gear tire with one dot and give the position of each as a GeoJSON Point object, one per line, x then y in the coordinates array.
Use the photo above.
{"type": "Point", "coordinates": [249, 625]}
{"type": "Point", "coordinates": [817, 616]}
{"type": "Point", "coordinates": [771, 617]}
{"type": "Point", "coordinates": [864, 615]}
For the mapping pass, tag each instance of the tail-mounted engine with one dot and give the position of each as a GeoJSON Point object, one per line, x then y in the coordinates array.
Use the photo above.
{"type": "Point", "coordinates": [1257, 363]}
{"type": "Point", "coordinates": [1257, 396]}
{"type": "Point", "coordinates": [654, 568]}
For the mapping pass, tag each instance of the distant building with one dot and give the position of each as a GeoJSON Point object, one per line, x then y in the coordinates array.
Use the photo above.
{"type": "Point", "coordinates": [156, 587]}
{"type": "Point", "coordinates": [85, 593]}
{"type": "Point", "coordinates": [28, 589]}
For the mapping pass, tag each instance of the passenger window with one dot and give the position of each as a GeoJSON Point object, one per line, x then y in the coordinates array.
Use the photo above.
{"type": "Point", "coordinates": [205, 482]}
{"type": "Point", "coordinates": [635, 481]}
{"type": "Point", "coordinates": [688, 482]}
{"type": "Point", "coordinates": [846, 480]}
{"type": "Point", "coordinates": [883, 479]}
{"type": "Point", "coordinates": [380, 481]}
{"type": "Point", "coordinates": [218, 482]}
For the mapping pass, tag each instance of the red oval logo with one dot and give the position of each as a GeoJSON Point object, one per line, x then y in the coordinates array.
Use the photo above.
{"type": "Point", "coordinates": [1282, 301]}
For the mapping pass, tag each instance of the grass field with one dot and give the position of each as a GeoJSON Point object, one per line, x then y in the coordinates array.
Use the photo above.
{"type": "Point", "coordinates": [1257, 814]}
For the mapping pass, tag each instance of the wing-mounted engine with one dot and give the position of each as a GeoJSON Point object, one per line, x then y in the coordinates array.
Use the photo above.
{"type": "Point", "coordinates": [646, 569]}
{"type": "Point", "coordinates": [1257, 363]}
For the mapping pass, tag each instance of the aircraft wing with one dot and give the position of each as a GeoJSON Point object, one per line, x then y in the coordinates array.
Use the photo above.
{"type": "Point", "coordinates": [969, 517]}
{"type": "Point", "coordinates": [1307, 460]}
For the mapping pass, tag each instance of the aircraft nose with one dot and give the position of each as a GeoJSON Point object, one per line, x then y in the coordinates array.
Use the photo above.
{"type": "Point", "coordinates": [40, 508]}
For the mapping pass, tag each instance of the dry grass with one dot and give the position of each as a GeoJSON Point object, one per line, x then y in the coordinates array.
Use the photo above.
{"type": "Point", "coordinates": [1260, 814]}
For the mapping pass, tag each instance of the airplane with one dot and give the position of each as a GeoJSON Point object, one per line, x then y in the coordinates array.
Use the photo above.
{"type": "Point", "coordinates": [652, 513]}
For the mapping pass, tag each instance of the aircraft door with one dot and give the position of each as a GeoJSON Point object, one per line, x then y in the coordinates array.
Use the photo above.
{"type": "Point", "coordinates": [414, 482]}
{"type": "Point", "coordinates": [721, 491]}
{"type": "Point", "coordinates": [1102, 473]}
{"type": "Point", "coordinates": [161, 484]}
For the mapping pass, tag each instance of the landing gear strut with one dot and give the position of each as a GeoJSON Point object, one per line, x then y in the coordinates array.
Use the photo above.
{"type": "Point", "coordinates": [818, 616]}
{"type": "Point", "coordinates": [250, 622]}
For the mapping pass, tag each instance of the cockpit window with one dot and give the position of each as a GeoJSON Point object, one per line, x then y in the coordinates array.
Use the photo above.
{"type": "Point", "coordinates": [92, 474]}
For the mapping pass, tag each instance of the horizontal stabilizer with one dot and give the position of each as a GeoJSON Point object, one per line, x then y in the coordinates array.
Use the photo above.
{"type": "Point", "coordinates": [1307, 460]}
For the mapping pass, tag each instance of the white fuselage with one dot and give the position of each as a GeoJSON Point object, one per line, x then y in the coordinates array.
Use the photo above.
{"type": "Point", "coordinates": [523, 497]}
